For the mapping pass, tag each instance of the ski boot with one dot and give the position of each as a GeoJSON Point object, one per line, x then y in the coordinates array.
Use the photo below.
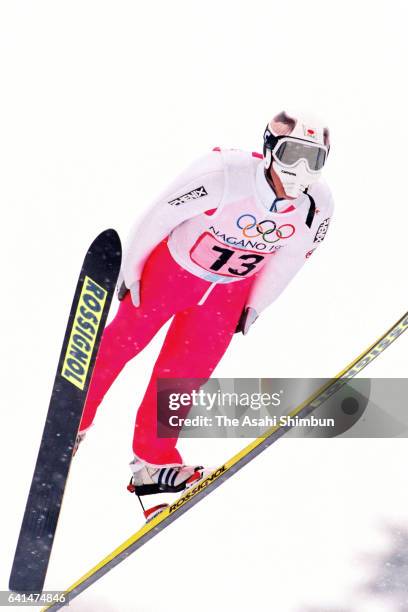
{"type": "Point", "coordinates": [148, 480]}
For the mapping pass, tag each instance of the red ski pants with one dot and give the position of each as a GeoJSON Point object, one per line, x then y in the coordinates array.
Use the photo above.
{"type": "Point", "coordinates": [195, 342]}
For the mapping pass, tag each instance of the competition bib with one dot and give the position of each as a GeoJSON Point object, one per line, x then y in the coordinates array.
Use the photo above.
{"type": "Point", "coordinates": [215, 256]}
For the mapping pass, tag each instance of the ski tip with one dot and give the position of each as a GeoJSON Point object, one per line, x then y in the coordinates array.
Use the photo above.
{"type": "Point", "coordinates": [108, 242]}
{"type": "Point", "coordinates": [109, 231]}
{"type": "Point", "coordinates": [108, 234]}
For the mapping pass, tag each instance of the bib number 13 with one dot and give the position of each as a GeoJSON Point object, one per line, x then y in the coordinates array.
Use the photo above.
{"type": "Point", "coordinates": [247, 263]}
{"type": "Point", "coordinates": [213, 256]}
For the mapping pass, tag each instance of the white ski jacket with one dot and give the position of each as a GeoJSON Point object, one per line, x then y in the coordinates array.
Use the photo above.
{"type": "Point", "coordinates": [224, 223]}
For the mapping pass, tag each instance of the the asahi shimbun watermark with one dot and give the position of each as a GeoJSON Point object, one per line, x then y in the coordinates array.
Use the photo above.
{"type": "Point", "coordinates": [220, 400]}
{"type": "Point", "coordinates": [240, 408]}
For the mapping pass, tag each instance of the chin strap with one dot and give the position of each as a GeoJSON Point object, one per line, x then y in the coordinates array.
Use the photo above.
{"type": "Point", "coordinates": [267, 158]}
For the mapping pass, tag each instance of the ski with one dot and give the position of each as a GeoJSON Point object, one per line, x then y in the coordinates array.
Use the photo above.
{"type": "Point", "coordinates": [192, 496]}
{"type": "Point", "coordinates": [89, 310]}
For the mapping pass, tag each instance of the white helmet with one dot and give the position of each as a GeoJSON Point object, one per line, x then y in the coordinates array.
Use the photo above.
{"type": "Point", "coordinates": [297, 150]}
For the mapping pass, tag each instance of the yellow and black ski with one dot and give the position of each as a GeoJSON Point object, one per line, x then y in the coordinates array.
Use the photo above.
{"type": "Point", "coordinates": [193, 495]}
{"type": "Point", "coordinates": [90, 306]}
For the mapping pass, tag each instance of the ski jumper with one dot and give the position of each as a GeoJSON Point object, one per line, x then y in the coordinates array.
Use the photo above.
{"type": "Point", "coordinates": [216, 241]}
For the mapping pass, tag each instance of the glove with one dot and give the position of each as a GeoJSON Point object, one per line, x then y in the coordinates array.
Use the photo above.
{"type": "Point", "coordinates": [134, 289]}
{"type": "Point", "coordinates": [248, 316]}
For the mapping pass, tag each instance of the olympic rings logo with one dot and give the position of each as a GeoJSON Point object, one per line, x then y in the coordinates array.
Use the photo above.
{"type": "Point", "coordinates": [283, 232]}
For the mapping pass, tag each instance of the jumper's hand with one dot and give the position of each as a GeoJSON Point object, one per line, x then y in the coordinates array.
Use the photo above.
{"type": "Point", "coordinates": [248, 317]}
{"type": "Point", "coordinates": [134, 289]}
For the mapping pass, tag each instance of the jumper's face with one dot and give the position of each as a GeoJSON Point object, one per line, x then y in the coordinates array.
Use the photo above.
{"type": "Point", "coordinates": [294, 154]}
{"type": "Point", "coordinates": [290, 181]}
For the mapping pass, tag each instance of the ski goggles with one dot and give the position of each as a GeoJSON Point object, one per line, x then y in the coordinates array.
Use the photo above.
{"type": "Point", "coordinates": [289, 151]}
